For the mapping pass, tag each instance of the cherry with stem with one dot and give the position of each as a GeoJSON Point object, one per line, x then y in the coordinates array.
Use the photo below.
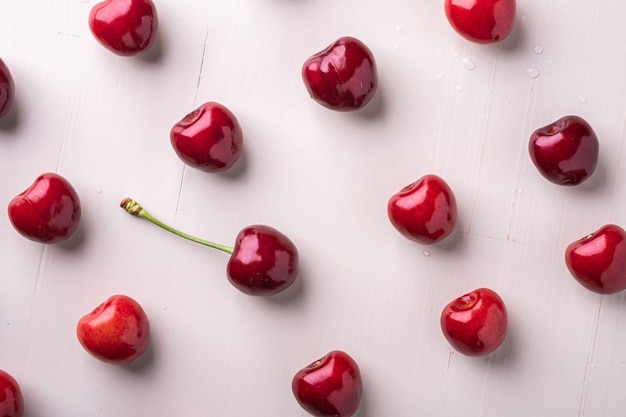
{"type": "Point", "coordinates": [263, 261]}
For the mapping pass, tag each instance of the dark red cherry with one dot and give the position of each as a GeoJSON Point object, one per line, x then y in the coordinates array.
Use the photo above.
{"type": "Point", "coordinates": [330, 386]}
{"type": "Point", "coordinates": [209, 138]}
{"type": "Point", "coordinates": [481, 21]}
{"type": "Point", "coordinates": [125, 27]}
{"type": "Point", "coordinates": [11, 399]}
{"type": "Point", "coordinates": [7, 89]}
{"type": "Point", "coordinates": [598, 260]}
{"type": "Point", "coordinates": [565, 152]}
{"type": "Point", "coordinates": [343, 76]}
{"type": "Point", "coordinates": [476, 323]}
{"type": "Point", "coordinates": [262, 262]}
{"type": "Point", "coordinates": [48, 211]}
{"type": "Point", "coordinates": [424, 211]}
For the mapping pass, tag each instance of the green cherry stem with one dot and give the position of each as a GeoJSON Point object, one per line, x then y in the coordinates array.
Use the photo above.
{"type": "Point", "coordinates": [132, 207]}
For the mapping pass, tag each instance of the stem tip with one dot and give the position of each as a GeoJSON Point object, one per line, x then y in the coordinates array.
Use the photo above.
{"type": "Point", "coordinates": [131, 206]}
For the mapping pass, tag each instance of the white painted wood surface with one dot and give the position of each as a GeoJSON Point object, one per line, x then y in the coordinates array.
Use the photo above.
{"type": "Point", "coordinates": [444, 106]}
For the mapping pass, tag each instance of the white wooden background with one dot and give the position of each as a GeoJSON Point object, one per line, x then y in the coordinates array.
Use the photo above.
{"type": "Point", "coordinates": [444, 106]}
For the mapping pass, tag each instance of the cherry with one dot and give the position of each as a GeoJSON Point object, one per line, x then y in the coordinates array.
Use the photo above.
{"type": "Point", "coordinates": [117, 331]}
{"type": "Point", "coordinates": [481, 21]}
{"type": "Point", "coordinates": [48, 211]}
{"type": "Point", "coordinates": [7, 89]}
{"type": "Point", "coordinates": [424, 211]}
{"type": "Point", "coordinates": [263, 261]}
{"type": "Point", "coordinates": [330, 386]}
{"type": "Point", "coordinates": [565, 152]}
{"type": "Point", "coordinates": [598, 260]}
{"type": "Point", "coordinates": [209, 138]}
{"type": "Point", "coordinates": [343, 76]}
{"type": "Point", "coordinates": [475, 324]}
{"type": "Point", "coordinates": [125, 27]}
{"type": "Point", "coordinates": [11, 399]}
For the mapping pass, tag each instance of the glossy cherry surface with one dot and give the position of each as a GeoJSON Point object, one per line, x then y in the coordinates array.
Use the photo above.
{"type": "Point", "coordinates": [7, 89]}
{"type": "Point", "coordinates": [117, 331]}
{"type": "Point", "coordinates": [330, 386]}
{"type": "Point", "coordinates": [424, 211]}
{"type": "Point", "coordinates": [565, 152]}
{"type": "Point", "coordinates": [49, 211]}
{"type": "Point", "coordinates": [125, 27]}
{"type": "Point", "coordinates": [264, 261]}
{"type": "Point", "coordinates": [11, 399]}
{"type": "Point", "coordinates": [481, 21]}
{"type": "Point", "coordinates": [209, 138]}
{"type": "Point", "coordinates": [343, 76]}
{"type": "Point", "coordinates": [475, 324]}
{"type": "Point", "coordinates": [598, 260]}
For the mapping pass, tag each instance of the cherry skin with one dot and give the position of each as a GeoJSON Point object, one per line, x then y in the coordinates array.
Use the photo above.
{"type": "Point", "coordinates": [125, 27]}
{"type": "Point", "coordinates": [7, 89]}
{"type": "Point", "coordinates": [475, 324]}
{"type": "Point", "coordinates": [11, 400]}
{"type": "Point", "coordinates": [209, 138]}
{"type": "Point", "coordinates": [481, 21]}
{"type": "Point", "coordinates": [343, 76]}
{"type": "Point", "coordinates": [49, 211]}
{"type": "Point", "coordinates": [565, 152]}
{"type": "Point", "coordinates": [262, 262]}
{"type": "Point", "coordinates": [330, 386]}
{"type": "Point", "coordinates": [598, 260]}
{"type": "Point", "coordinates": [424, 211]}
{"type": "Point", "coordinates": [117, 331]}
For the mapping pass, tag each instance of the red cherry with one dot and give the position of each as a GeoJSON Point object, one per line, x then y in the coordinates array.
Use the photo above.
{"type": "Point", "coordinates": [125, 27]}
{"type": "Point", "coordinates": [330, 386]}
{"type": "Point", "coordinates": [48, 211]}
{"type": "Point", "coordinates": [475, 324]}
{"type": "Point", "coordinates": [343, 76]}
{"type": "Point", "coordinates": [7, 89]}
{"type": "Point", "coordinates": [11, 400]}
{"type": "Point", "coordinates": [598, 260]}
{"type": "Point", "coordinates": [117, 331]}
{"type": "Point", "coordinates": [424, 211]}
{"type": "Point", "coordinates": [565, 152]}
{"type": "Point", "coordinates": [263, 261]}
{"type": "Point", "coordinates": [481, 21]}
{"type": "Point", "coordinates": [209, 138]}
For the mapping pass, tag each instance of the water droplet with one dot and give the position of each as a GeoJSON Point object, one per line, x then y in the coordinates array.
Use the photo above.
{"type": "Point", "coordinates": [532, 72]}
{"type": "Point", "coordinates": [455, 54]}
{"type": "Point", "coordinates": [98, 190]}
{"type": "Point", "coordinates": [399, 29]}
{"type": "Point", "coordinates": [440, 76]}
{"type": "Point", "coordinates": [459, 88]}
{"type": "Point", "coordinates": [426, 253]}
{"type": "Point", "coordinates": [582, 99]}
{"type": "Point", "coordinates": [592, 365]}
{"type": "Point", "coordinates": [520, 191]}
{"type": "Point", "coordinates": [469, 64]}
{"type": "Point", "coordinates": [538, 49]}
